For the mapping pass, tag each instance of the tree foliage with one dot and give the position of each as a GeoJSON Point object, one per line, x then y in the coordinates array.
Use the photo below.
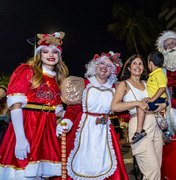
{"type": "Point", "coordinates": [134, 26]}
{"type": "Point", "coordinates": [4, 79]}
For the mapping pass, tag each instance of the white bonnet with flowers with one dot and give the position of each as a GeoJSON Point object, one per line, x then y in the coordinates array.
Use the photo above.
{"type": "Point", "coordinates": [114, 57]}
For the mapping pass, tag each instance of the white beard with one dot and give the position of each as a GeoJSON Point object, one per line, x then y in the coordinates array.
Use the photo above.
{"type": "Point", "coordinates": [170, 59]}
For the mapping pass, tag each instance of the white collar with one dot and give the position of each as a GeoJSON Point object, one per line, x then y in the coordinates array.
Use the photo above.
{"type": "Point", "coordinates": [93, 80]}
{"type": "Point", "coordinates": [48, 72]}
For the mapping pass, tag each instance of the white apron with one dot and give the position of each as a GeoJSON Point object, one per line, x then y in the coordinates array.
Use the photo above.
{"type": "Point", "coordinates": [93, 156]}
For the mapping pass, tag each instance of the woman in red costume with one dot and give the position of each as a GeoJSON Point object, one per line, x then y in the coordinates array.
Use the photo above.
{"type": "Point", "coordinates": [166, 43]}
{"type": "Point", "coordinates": [93, 150]}
{"type": "Point", "coordinates": [30, 148]}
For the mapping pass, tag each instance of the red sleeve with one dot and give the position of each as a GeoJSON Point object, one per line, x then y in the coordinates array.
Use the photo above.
{"type": "Point", "coordinates": [20, 80]}
{"type": "Point", "coordinates": [72, 111]}
{"type": "Point", "coordinates": [171, 78]}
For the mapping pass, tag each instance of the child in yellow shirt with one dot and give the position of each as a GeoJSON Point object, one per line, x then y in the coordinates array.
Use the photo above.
{"type": "Point", "coordinates": [156, 88]}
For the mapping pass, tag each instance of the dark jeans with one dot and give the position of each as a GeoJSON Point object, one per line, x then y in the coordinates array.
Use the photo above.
{"type": "Point", "coordinates": [152, 106]}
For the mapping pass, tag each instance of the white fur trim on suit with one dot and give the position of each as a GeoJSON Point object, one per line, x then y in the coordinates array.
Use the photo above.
{"type": "Point", "coordinates": [37, 50]}
{"type": "Point", "coordinates": [17, 98]}
{"type": "Point", "coordinates": [32, 171]}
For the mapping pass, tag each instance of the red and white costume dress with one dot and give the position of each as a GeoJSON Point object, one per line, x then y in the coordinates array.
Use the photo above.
{"type": "Point", "coordinates": [93, 149]}
{"type": "Point", "coordinates": [169, 150]}
{"type": "Point", "coordinates": [39, 127]}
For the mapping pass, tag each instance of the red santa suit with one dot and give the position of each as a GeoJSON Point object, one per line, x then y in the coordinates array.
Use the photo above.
{"type": "Point", "coordinates": [39, 121]}
{"type": "Point", "coordinates": [169, 150]}
{"type": "Point", "coordinates": [166, 44]}
{"type": "Point", "coordinates": [172, 86]}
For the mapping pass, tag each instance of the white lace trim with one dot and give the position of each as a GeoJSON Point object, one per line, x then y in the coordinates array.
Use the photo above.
{"type": "Point", "coordinates": [84, 97]}
{"type": "Point", "coordinates": [76, 145]}
{"type": "Point", "coordinates": [95, 82]}
{"type": "Point", "coordinates": [85, 94]}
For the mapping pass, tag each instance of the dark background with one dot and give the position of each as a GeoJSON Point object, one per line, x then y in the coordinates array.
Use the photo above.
{"type": "Point", "coordinates": [85, 24]}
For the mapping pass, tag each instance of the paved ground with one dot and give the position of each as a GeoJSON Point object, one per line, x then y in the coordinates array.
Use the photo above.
{"type": "Point", "coordinates": [128, 160]}
{"type": "Point", "coordinates": [127, 155]}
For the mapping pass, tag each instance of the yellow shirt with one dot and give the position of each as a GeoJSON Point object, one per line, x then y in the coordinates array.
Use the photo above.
{"type": "Point", "coordinates": [156, 80]}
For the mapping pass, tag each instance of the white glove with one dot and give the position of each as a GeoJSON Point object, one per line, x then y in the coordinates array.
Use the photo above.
{"type": "Point", "coordinates": [22, 146]}
{"type": "Point", "coordinates": [60, 128]}
{"type": "Point", "coordinates": [58, 109]}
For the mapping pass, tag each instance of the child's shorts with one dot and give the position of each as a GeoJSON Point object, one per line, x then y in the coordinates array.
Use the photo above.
{"type": "Point", "coordinates": [152, 106]}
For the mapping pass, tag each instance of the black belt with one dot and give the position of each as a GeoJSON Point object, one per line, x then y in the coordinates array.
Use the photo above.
{"type": "Point", "coordinates": [39, 107]}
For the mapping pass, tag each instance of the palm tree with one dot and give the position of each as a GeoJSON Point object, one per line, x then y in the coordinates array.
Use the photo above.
{"type": "Point", "coordinates": [4, 79]}
{"type": "Point", "coordinates": [134, 26]}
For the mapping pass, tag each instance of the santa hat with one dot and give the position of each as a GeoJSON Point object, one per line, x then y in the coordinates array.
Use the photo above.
{"type": "Point", "coordinates": [54, 39]}
{"type": "Point", "coordinates": [164, 36]}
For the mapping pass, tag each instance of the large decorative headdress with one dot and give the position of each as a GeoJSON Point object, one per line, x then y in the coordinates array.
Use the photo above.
{"type": "Point", "coordinates": [115, 58]}
{"type": "Point", "coordinates": [54, 39]}
{"type": "Point", "coordinates": [164, 36]}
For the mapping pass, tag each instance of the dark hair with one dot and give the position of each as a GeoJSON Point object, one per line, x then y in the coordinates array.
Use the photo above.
{"type": "Point", "coordinates": [3, 100]}
{"type": "Point", "coordinates": [157, 58]}
{"type": "Point", "coordinates": [125, 71]}
{"type": "Point", "coordinates": [3, 87]}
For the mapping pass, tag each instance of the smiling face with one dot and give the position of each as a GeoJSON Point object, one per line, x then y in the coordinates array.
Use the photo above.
{"type": "Point", "coordinates": [49, 56]}
{"type": "Point", "coordinates": [169, 44]}
{"type": "Point", "coordinates": [104, 68]}
{"type": "Point", "coordinates": [137, 67]}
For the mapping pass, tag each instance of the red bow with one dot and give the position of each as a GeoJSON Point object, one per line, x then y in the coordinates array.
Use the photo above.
{"type": "Point", "coordinates": [103, 120]}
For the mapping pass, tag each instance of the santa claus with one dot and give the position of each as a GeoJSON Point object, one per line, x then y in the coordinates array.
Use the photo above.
{"type": "Point", "coordinates": [166, 43]}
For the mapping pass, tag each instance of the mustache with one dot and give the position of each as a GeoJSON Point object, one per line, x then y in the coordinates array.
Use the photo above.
{"type": "Point", "coordinates": [170, 50]}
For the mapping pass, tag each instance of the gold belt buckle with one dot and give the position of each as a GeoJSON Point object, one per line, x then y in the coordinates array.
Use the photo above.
{"type": "Point", "coordinates": [46, 108]}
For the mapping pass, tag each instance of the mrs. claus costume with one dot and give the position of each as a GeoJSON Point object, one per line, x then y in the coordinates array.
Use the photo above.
{"type": "Point", "coordinates": [93, 150]}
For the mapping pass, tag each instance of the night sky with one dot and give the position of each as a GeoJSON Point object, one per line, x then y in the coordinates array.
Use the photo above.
{"type": "Point", "coordinates": [85, 24]}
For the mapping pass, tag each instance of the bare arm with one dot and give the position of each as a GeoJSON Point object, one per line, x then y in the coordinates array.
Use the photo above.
{"type": "Point", "coordinates": [118, 105]}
